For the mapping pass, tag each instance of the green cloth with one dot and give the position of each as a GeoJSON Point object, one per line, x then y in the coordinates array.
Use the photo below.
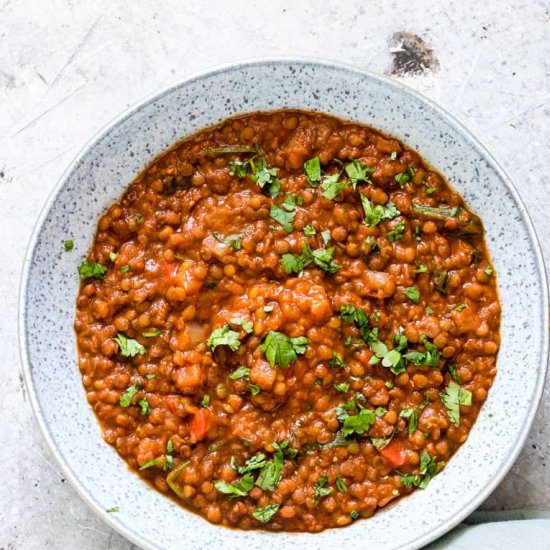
{"type": "Point", "coordinates": [514, 530]}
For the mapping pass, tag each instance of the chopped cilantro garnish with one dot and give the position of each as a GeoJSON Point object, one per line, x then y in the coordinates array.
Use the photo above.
{"type": "Point", "coordinates": [460, 307]}
{"type": "Point", "coordinates": [359, 423]}
{"type": "Point", "coordinates": [281, 350]}
{"type": "Point", "coordinates": [128, 346]}
{"type": "Point", "coordinates": [332, 186]}
{"type": "Point", "coordinates": [68, 245]}
{"type": "Point", "coordinates": [454, 372]}
{"type": "Point", "coordinates": [232, 241]}
{"type": "Point", "coordinates": [337, 361]}
{"type": "Point", "coordinates": [488, 271]}
{"type": "Point", "coordinates": [247, 326]}
{"type": "Point", "coordinates": [341, 485]}
{"type": "Point", "coordinates": [325, 235]}
{"type": "Point", "coordinates": [312, 169]}
{"type": "Point", "coordinates": [413, 294]}
{"type": "Point", "coordinates": [320, 490]}
{"type": "Point", "coordinates": [265, 177]}
{"type": "Point", "coordinates": [393, 155]}
{"type": "Point", "coordinates": [224, 336]}
{"type": "Point", "coordinates": [342, 387]}
{"type": "Point", "coordinates": [144, 405]}
{"type": "Point", "coordinates": [381, 442]}
{"type": "Point", "coordinates": [321, 257]}
{"type": "Point", "coordinates": [412, 416]}
{"type": "Point", "coordinates": [309, 231]}
{"type": "Point", "coordinates": [374, 214]}
{"type": "Point", "coordinates": [113, 256]}
{"type": "Point", "coordinates": [205, 401]}
{"type": "Point", "coordinates": [429, 310]}
{"type": "Point", "coordinates": [357, 171]}
{"type": "Point", "coordinates": [453, 397]}
{"type": "Point", "coordinates": [265, 513]}
{"type": "Point", "coordinates": [428, 469]}
{"type": "Point", "coordinates": [125, 269]}
{"type": "Point", "coordinates": [238, 488]}
{"type": "Point", "coordinates": [397, 233]}
{"type": "Point", "coordinates": [420, 268]}
{"type": "Point", "coordinates": [354, 514]}
{"type": "Point", "coordinates": [126, 398]}
{"type": "Point", "coordinates": [404, 177]}
{"type": "Point", "coordinates": [113, 510]}
{"type": "Point", "coordinates": [89, 269]}
{"type": "Point", "coordinates": [428, 358]}
{"type": "Point", "coordinates": [284, 218]}
{"type": "Point", "coordinates": [270, 474]}
{"type": "Point", "coordinates": [239, 169]}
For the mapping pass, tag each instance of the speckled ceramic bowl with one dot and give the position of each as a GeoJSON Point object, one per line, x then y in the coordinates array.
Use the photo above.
{"type": "Point", "coordinates": [108, 164]}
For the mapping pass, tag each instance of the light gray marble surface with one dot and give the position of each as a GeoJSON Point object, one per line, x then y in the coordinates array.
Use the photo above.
{"type": "Point", "coordinates": [67, 67]}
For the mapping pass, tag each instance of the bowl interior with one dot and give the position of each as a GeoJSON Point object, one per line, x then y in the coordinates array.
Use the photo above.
{"type": "Point", "coordinates": [117, 155]}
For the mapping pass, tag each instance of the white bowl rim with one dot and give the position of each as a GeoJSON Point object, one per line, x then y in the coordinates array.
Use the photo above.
{"type": "Point", "coordinates": [451, 119]}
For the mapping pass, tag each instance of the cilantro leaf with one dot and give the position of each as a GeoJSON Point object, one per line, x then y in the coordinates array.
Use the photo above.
{"type": "Point", "coordinates": [428, 358]}
{"type": "Point", "coordinates": [309, 231]}
{"type": "Point", "coordinates": [322, 257]}
{"type": "Point", "coordinates": [397, 233]}
{"type": "Point", "coordinates": [412, 416]}
{"type": "Point", "coordinates": [265, 177]}
{"type": "Point", "coordinates": [68, 245]}
{"type": "Point", "coordinates": [292, 264]}
{"type": "Point", "coordinates": [332, 187]}
{"type": "Point", "coordinates": [265, 513]}
{"type": "Point", "coordinates": [270, 474]}
{"type": "Point", "coordinates": [341, 485]}
{"type": "Point", "coordinates": [374, 214]}
{"type": "Point", "coordinates": [239, 169]}
{"type": "Point", "coordinates": [320, 490]}
{"type": "Point", "coordinates": [232, 241]}
{"type": "Point", "coordinates": [359, 423]}
{"type": "Point", "coordinates": [224, 336]}
{"type": "Point", "coordinates": [421, 268]}
{"type": "Point", "coordinates": [312, 169]}
{"type": "Point", "coordinates": [381, 442]}
{"type": "Point", "coordinates": [337, 361]}
{"type": "Point", "coordinates": [205, 401]}
{"type": "Point", "coordinates": [128, 346]}
{"type": "Point", "coordinates": [342, 387]}
{"type": "Point", "coordinates": [238, 488]}
{"type": "Point", "coordinates": [404, 177]}
{"type": "Point", "coordinates": [248, 326]}
{"type": "Point", "coordinates": [240, 373]}
{"type": "Point", "coordinates": [144, 405]}
{"type": "Point", "coordinates": [126, 398]}
{"type": "Point", "coordinates": [281, 350]}
{"type": "Point", "coordinates": [89, 269]}
{"type": "Point", "coordinates": [357, 171]}
{"type": "Point", "coordinates": [284, 218]}
{"type": "Point", "coordinates": [413, 294]}
{"type": "Point", "coordinates": [453, 397]}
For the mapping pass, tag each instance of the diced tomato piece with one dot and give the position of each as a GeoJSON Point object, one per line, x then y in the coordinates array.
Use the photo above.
{"type": "Point", "coordinates": [200, 424]}
{"type": "Point", "coordinates": [263, 375]}
{"type": "Point", "coordinates": [394, 454]}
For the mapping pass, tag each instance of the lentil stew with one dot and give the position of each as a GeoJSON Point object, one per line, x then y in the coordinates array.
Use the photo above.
{"type": "Point", "coordinates": [287, 322]}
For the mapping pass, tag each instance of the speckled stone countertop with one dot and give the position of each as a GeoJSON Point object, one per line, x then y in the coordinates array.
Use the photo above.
{"type": "Point", "coordinates": [68, 67]}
